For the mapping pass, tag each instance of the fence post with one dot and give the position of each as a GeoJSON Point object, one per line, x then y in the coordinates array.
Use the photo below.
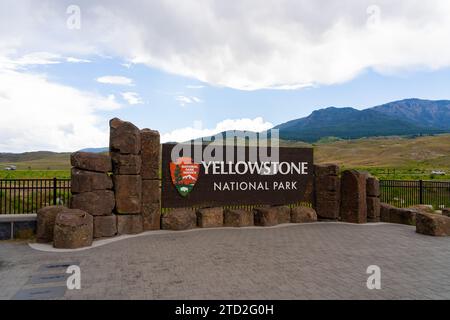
{"type": "Point", "coordinates": [54, 191]}
{"type": "Point", "coordinates": [420, 191]}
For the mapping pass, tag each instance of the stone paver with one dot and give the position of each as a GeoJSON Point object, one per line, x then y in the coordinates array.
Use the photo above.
{"type": "Point", "coordinates": [311, 261]}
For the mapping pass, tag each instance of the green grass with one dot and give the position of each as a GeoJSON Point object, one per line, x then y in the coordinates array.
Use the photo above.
{"type": "Point", "coordinates": [35, 174]}
{"type": "Point", "coordinates": [400, 197]}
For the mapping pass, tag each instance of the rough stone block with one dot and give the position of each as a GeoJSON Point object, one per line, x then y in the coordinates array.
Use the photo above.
{"type": "Point", "coordinates": [151, 191]}
{"type": "Point", "coordinates": [326, 169]}
{"type": "Point", "coordinates": [324, 195]}
{"type": "Point", "coordinates": [150, 154]}
{"type": "Point", "coordinates": [432, 224]}
{"type": "Point", "coordinates": [96, 203]}
{"type": "Point", "coordinates": [45, 223]}
{"type": "Point", "coordinates": [446, 212]}
{"type": "Point", "coordinates": [210, 217]}
{"type": "Point", "coordinates": [105, 226]}
{"type": "Point", "coordinates": [126, 163]}
{"type": "Point", "coordinates": [327, 204]}
{"type": "Point", "coordinates": [91, 161]}
{"type": "Point", "coordinates": [402, 216]}
{"type": "Point", "coordinates": [86, 181]}
{"type": "Point", "coordinates": [237, 218]}
{"type": "Point", "coordinates": [265, 216]}
{"type": "Point", "coordinates": [129, 224]}
{"type": "Point", "coordinates": [283, 213]}
{"type": "Point", "coordinates": [327, 191]}
{"type": "Point", "coordinates": [151, 216]}
{"type": "Point", "coordinates": [327, 209]}
{"type": "Point", "coordinates": [327, 184]}
{"type": "Point", "coordinates": [73, 229]}
{"type": "Point", "coordinates": [179, 219]}
{"type": "Point", "coordinates": [373, 209]}
{"type": "Point", "coordinates": [303, 214]}
{"type": "Point", "coordinates": [353, 197]}
{"type": "Point", "coordinates": [128, 190]}
{"type": "Point", "coordinates": [372, 187]}
{"type": "Point", "coordinates": [423, 208]}
{"type": "Point", "coordinates": [125, 137]}
{"type": "Point", "coordinates": [384, 212]}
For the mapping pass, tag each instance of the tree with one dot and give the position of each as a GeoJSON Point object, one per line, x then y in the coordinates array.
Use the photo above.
{"type": "Point", "coordinates": [177, 174]}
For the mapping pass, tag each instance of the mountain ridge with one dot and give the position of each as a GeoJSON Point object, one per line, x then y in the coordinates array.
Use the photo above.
{"type": "Point", "coordinates": [397, 118]}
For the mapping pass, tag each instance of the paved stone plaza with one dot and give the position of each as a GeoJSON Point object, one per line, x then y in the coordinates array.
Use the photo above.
{"type": "Point", "coordinates": [308, 261]}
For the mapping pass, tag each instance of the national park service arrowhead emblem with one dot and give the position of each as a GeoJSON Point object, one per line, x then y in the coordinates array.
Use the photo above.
{"type": "Point", "coordinates": [184, 173]}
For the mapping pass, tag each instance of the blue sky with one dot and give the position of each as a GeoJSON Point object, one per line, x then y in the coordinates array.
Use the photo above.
{"type": "Point", "coordinates": [161, 110]}
{"type": "Point", "coordinates": [199, 67]}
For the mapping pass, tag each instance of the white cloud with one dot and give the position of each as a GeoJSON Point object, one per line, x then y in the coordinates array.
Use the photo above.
{"type": "Point", "coordinates": [31, 59]}
{"type": "Point", "coordinates": [77, 60]}
{"type": "Point", "coordinates": [37, 114]}
{"type": "Point", "coordinates": [38, 58]}
{"type": "Point", "coordinates": [132, 98]}
{"type": "Point", "coordinates": [283, 44]}
{"type": "Point", "coordinates": [35, 58]}
{"type": "Point", "coordinates": [184, 134]}
{"type": "Point", "coordinates": [117, 80]}
{"type": "Point", "coordinates": [191, 86]}
{"type": "Point", "coordinates": [184, 100]}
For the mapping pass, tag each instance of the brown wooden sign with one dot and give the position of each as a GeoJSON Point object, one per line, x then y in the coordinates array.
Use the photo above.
{"type": "Point", "coordinates": [190, 180]}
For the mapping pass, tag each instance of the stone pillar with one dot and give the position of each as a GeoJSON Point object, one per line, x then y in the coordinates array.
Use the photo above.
{"type": "Point", "coordinates": [353, 197]}
{"type": "Point", "coordinates": [373, 199]}
{"type": "Point", "coordinates": [125, 150]}
{"type": "Point", "coordinates": [92, 190]}
{"type": "Point", "coordinates": [327, 191]}
{"type": "Point", "coordinates": [151, 182]}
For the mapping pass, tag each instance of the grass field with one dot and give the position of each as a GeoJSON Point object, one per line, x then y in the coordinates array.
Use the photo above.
{"type": "Point", "coordinates": [391, 158]}
{"type": "Point", "coordinates": [36, 165]}
{"type": "Point", "coordinates": [35, 174]}
{"type": "Point", "coordinates": [386, 158]}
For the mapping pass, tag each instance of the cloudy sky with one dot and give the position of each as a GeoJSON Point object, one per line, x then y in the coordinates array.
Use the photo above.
{"type": "Point", "coordinates": [193, 68]}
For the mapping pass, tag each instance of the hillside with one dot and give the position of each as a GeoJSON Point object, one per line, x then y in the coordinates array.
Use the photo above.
{"type": "Point", "coordinates": [431, 152]}
{"type": "Point", "coordinates": [41, 160]}
{"type": "Point", "coordinates": [411, 157]}
{"type": "Point", "coordinates": [427, 113]}
{"type": "Point", "coordinates": [406, 117]}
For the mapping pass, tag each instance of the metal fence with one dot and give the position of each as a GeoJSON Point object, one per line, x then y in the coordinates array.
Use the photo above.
{"type": "Point", "coordinates": [404, 193]}
{"type": "Point", "coordinates": [29, 195]}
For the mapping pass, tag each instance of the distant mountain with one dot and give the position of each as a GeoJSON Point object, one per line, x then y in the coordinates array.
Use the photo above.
{"type": "Point", "coordinates": [427, 113]}
{"type": "Point", "coordinates": [95, 150]}
{"type": "Point", "coordinates": [406, 117]}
